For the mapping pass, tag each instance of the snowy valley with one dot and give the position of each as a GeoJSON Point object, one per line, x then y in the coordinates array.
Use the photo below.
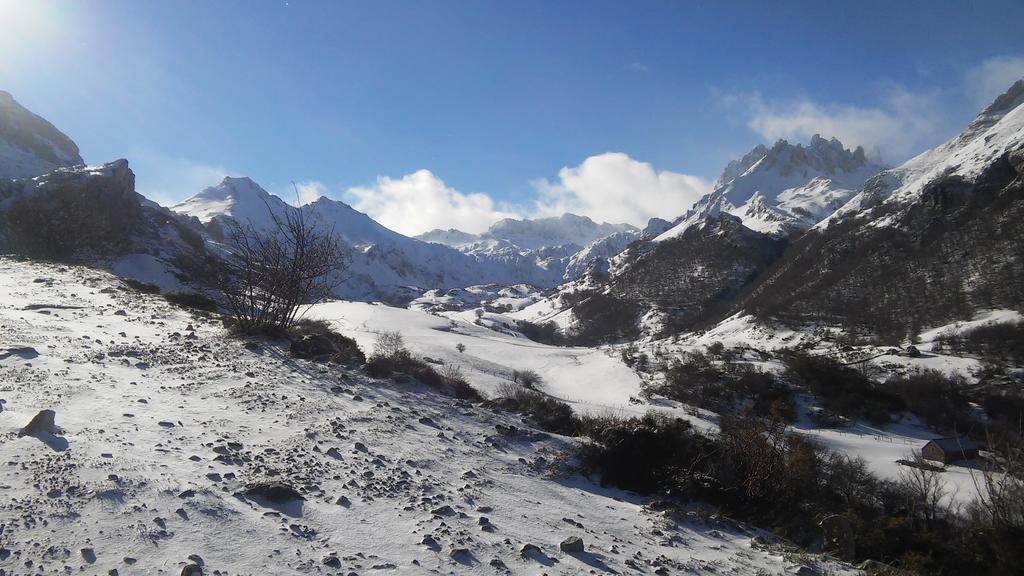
{"type": "Point", "coordinates": [745, 388]}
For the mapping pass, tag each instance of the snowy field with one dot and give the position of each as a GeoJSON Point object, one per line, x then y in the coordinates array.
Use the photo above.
{"type": "Point", "coordinates": [165, 423]}
{"type": "Point", "coordinates": [591, 379]}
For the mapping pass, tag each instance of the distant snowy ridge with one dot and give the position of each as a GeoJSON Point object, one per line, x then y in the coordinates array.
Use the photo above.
{"type": "Point", "coordinates": [385, 264]}
{"type": "Point", "coordinates": [566, 246]}
{"type": "Point", "coordinates": [533, 234]}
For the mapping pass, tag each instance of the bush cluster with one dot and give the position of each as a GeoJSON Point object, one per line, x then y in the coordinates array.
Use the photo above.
{"type": "Point", "coordinates": [335, 347]}
{"type": "Point", "coordinates": [546, 412]}
{"type": "Point", "coordinates": [544, 332]}
{"type": "Point", "coordinates": [731, 388]}
{"type": "Point", "coordinates": [754, 471]}
{"type": "Point", "coordinates": [391, 356]}
{"type": "Point", "coordinates": [600, 318]}
{"type": "Point", "coordinates": [194, 300]}
{"type": "Point", "coordinates": [939, 400]}
{"type": "Point", "coordinates": [1002, 340]}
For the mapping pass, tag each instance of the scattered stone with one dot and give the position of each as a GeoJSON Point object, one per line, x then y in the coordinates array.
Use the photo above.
{"type": "Point", "coordinates": [274, 491]}
{"type": "Point", "coordinates": [529, 549]}
{"type": "Point", "coordinates": [332, 561]}
{"type": "Point", "coordinates": [192, 570]}
{"type": "Point", "coordinates": [572, 545]}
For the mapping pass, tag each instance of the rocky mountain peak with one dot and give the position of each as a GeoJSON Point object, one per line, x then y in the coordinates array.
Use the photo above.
{"type": "Point", "coordinates": [30, 146]}
{"type": "Point", "coordinates": [740, 165]}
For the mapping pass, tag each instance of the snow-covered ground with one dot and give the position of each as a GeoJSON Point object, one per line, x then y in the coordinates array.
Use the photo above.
{"type": "Point", "coordinates": [165, 422]}
{"type": "Point", "coordinates": [880, 447]}
{"type": "Point", "coordinates": [592, 379]}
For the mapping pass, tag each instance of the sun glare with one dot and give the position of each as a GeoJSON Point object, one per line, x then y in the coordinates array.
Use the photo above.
{"type": "Point", "coordinates": [26, 28]}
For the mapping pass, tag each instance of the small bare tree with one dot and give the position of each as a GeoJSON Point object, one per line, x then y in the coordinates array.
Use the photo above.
{"type": "Point", "coordinates": [390, 345]}
{"type": "Point", "coordinates": [925, 490]}
{"type": "Point", "coordinates": [267, 276]}
{"type": "Point", "coordinates": [1000, 486]}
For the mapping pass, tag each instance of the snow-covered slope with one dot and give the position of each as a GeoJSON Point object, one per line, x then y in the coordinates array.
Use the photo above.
{"type": "Point", "coordinates": [165, 424]}
{"type": "Point", "coordinates": [784, 188]}
{"type": "Point", "coordinates": [998, 130]}
{"type": "Point", "coordinates": [29, 145]}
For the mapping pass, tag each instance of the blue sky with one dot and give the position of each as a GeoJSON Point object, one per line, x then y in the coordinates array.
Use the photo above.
{"type": "Point", "coordinates": [443, 113]}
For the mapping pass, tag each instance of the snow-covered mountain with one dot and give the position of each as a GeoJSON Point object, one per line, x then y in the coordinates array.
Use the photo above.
{"type": "Point", "coordinates": [925, 243]}
{"type": "Point", "coordinates": [385, 264]}
{"type": "Point", "coordinates": [533, 234]}
{"type": "Point", "coordinates": [566, 246]}
{"type": "Point", "coordinates": [29, 145]}
{"type": "Point", "coordinates": [997, 131]}
{"type": "Point", "coordinates": [784, 188]}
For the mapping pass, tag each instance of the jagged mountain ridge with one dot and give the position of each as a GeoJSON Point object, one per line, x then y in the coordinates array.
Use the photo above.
{"type": "Point", "coordinates": [785, 188]}
{"type": "Point", "coordinates": [29, 145]}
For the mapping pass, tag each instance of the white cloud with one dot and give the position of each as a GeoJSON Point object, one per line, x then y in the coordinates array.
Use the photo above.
{"type": "Point", "coordinates": [903, 122]}
{"type": "Point", "coordinates": [419, 202]}
{"type": "Point", "coordinates": [309, 191]}
{"type": "Point", "coordinates": [612, 187]}
{"type": "Point", "coordinates": [169, 180]}
{"type": "Point", "coordinates": [992, 77]}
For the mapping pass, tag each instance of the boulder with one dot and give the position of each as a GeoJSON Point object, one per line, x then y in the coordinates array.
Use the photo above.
{"type": "Point", "coordinates": [572, 545]}
{"type": "Point", "coordinates": [274, 491]}
{"type": "Point", "coordinates": [529, 549]}
{"type": "Point", "coordinates": [42, 422]}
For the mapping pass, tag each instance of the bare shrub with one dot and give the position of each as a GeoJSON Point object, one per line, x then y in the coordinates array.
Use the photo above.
{"type": "Point", "coordinates": [526, 378]}
{"type": "Point", "coordinates": [1000, 487]}
{"type": "Point", "coordinates": [390, 345]}
{"type": "Point", "coordinates": [924, 489]}
{"type": "Point", "coordinates": [266, 277]}
{"type": "Point", "coordinates": [547, 412]}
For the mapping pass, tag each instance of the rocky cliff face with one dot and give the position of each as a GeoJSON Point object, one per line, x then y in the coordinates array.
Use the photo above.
{"type": "Point", "coordinates": [71, 210]}
{"type": "Point", "coordinates": [29, 145]}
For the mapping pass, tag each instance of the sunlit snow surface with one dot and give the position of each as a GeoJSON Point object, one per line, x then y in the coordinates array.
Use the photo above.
{"type": "Point", "coordinates": [155, 421]}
